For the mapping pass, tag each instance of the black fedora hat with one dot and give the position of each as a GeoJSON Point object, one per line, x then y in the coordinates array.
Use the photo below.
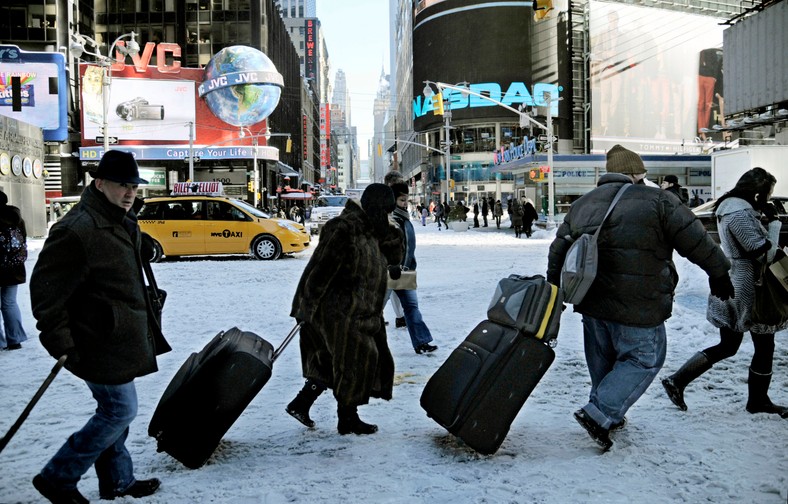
{"type": "Point", "coordinates": [118, 166]}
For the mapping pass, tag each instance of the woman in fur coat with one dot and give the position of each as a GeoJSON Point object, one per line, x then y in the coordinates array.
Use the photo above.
{"type": "Point", "coordinates": [340, 300]}
{"type": "Point", "coordinates": [748, 244]}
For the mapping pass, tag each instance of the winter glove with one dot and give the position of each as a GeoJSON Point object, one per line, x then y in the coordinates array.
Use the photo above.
{"type": "Point", "coordinates": [72, 357]}
{"type": "Point", "coordinates": [770, 212]}
{"type": "Point", "coordinates": [721, 287]}
{"type": "Point", "coordinates": [395, 272]}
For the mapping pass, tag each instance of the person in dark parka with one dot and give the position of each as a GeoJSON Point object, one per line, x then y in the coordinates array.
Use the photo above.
{"type": "Point", "coordinates": [12, 274]}
{"type": "Point", "coordinates": [340, 300]}
{"type": "Point", "coordinates": [624, 311]}
{"type": "Point", "coordinates": [89, 297]}
{"type": "Point", "coordinates": [529, 216]}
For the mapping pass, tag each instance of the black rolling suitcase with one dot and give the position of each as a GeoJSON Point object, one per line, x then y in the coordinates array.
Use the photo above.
{"type": "Point", "coordinates": [210, 391]}
{"type": "Point", "coordinates": [477, 393]}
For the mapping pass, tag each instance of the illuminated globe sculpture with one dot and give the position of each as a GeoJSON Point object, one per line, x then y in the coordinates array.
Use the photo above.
{"type": "Point", "coordinates": [241, 85]}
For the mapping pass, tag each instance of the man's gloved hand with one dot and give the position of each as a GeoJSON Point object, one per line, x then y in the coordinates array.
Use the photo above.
{"type": "Point", "coordinates": [395, 272]}
{"type": "Point", "coordinates": [72, 357]}
{"type": "Point", "coordinates": [721, 287]}
{"type": "Point", "coordinates": [770, 212]}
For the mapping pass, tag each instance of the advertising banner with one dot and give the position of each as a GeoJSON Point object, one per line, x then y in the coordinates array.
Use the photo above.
{"type": "Point", "coordinates": [150, 111]}
{"type": "Point", "coordinates": [43, 90]}
{"type": "Point", "coordinates": [486, 45]}
{"type": "Point", "coordinates": [656, 77]}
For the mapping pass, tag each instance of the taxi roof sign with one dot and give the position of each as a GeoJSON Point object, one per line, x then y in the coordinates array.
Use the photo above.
{"type": "Point", "coordinates": [197, 189]}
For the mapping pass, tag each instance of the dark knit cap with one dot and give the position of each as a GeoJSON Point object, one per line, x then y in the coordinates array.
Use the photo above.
{"type": "Point", "coordinates": [671, 179]}
{"type": "Point", "coordinates": [621, 160]}
{"type": "Point", "coordinates": [118, 166]}
{"type": "Point", "coordinates": [378, 196]}
{"type": "Point", "coordinates": [399, 189]}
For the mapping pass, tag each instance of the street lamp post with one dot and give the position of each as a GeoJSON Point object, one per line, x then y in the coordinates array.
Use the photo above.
{"type": "Point", "coordinates": [446, 144]}
{"type": "Point", "coordinates": [524, 119]}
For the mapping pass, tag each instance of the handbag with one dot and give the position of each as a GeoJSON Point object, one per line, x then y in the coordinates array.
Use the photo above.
{"type": "Point", "coordinates": [157, 297]}
{"type": "Point", "coordinates": [406, 281]}
{"type": "Point", "coordinates": [580, 264]}
{"type": "Point", "coordinates": [770, 305]}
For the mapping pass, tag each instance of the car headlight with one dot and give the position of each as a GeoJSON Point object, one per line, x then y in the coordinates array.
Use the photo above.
{"type": "Point", "coordinates": [288, 226]}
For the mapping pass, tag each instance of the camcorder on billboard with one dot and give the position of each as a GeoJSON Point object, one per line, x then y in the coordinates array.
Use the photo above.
{"type": "Point", "coordinates": [656, 78]}
{"type": "Point", "coordinates": [484, 44]}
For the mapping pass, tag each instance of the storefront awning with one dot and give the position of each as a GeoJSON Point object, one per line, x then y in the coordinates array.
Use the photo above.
{"type": "Point", "coordinates": [285, 169]}
{"type": "Point", "coordinates": [296, 196]}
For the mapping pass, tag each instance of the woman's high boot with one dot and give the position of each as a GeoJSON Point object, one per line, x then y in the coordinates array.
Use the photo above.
{"type": "Point", "coordinates": [758, 401]}
{"type": "Point", "coordinates": [299, 407]}
{"type": "Point", "coordinates": [678, 381]}
{"type": "Point", "coordinates": [350, 423]}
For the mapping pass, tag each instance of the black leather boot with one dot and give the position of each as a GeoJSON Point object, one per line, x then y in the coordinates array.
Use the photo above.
{"type": "Point", "coordinates": [758, 401]}
{"type": "Point", "coordinates": [350, 423]}
{"type": "Point", "coordinates": [678, 381]}
{"type": "Point", "coordinates": [299, 407]}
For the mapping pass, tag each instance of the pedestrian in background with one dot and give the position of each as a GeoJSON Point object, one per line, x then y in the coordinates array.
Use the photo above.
{"type": "Point", "coordinates": [498, 213]}
{"type": "Point", "coordinates": [748, 244]}
{"type": "Point", "coordinates": [509, 211]}
{"type": "Point", "coordinates": [439, 215]}
{"type": "Point", "coordinates": [91, 303]}
{"type": "Point", "coordinates": [485, 210]}
{"type": "Point", "coordinates": [13, 254]}
{"type": "Point", "coordinates": [390, 178]}
{"type": "Point", "coordinates": [475, 214]}
{"type": "Point", "coordinates": [516, 215]}
{"type": "Point", "coordinates": [529, 216]}
{"type": "Point", "coordinates": [420, 335]}
{"type": "Point", "coordinates": [624, 311]}
{"type": "Point", "coordinates": [671, 184]}
{"type": "Point", "coordinates": [340, 300]}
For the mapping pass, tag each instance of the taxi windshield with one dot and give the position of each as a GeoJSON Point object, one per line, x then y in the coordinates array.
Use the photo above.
{"type": "Point", "coordinates": [251, 209]}
{"type": "Point", "coordinates": [331, 201]}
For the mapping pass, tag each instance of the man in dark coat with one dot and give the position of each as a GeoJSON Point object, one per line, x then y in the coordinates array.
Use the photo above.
{"type": "Point", "coordinates": [485, 211]}
{"type": "Point", "coordinates": [671, 184]}
{"type": "Point", "coordinates": [529, 216]}
{"type": "Point", "coordinates": [340, 300]}
{"type": "Point", "coordinates": [632, 295]}
{"type": "Point", "coordinates": [89, 297]}
{"type": "Point", "coordinates": [13, 253]}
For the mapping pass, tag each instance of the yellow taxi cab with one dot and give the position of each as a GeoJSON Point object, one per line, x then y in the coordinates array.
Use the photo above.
{"type": "Point", "coordinates": [197, 220]}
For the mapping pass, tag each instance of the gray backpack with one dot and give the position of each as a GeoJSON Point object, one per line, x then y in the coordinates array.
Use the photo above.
{"type": "Point", "coordinates": [582, 258]}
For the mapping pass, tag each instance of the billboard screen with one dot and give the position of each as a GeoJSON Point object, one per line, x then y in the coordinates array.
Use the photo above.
{"type": "Point", "coordinates": [150, 111]}
{"type": "Point", "coordinates": [486, 44]}
{"type": "Point", "coordinates": [42, 97]}
{"type": "Point", "coordinates": [656, 77]}
{"type": "Point", "coordinates": [140, 109]}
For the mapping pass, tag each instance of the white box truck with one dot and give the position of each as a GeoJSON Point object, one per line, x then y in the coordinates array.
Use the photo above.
{"type": "Point", "coordinates": [728, 165]}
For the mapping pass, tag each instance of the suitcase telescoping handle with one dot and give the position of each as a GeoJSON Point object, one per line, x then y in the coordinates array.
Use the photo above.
{"type": "Point", "coordinates": [286, 341]}
{"type": "Point", "coordinates": [19, 421]}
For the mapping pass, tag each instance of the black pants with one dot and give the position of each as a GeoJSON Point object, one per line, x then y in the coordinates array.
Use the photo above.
{"type": "Point", "coordinates": [730, 341]}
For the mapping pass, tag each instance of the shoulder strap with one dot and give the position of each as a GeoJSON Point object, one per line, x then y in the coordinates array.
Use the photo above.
{"type": "Point", "coordinates": [610, 208]}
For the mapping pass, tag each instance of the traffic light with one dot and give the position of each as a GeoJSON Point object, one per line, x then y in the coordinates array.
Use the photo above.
{"type": "Point", "coordinates": [250, 186]}
{"type": "Point", "coordinates": [437, 104]}
{"type": "Point", "coordinates": [541, 8]}
{"type": "Point", "coordinates": [289, 146]}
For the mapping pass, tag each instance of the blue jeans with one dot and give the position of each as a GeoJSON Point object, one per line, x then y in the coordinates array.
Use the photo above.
{"type": "Point", "coordinates": [623, 361]}
{"type": "Point", "coordinates": [12, 318]}
{"type": "Point", "coordinates": [418, 330]}
{"type": "Point", "coordinates": [101, 442]}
